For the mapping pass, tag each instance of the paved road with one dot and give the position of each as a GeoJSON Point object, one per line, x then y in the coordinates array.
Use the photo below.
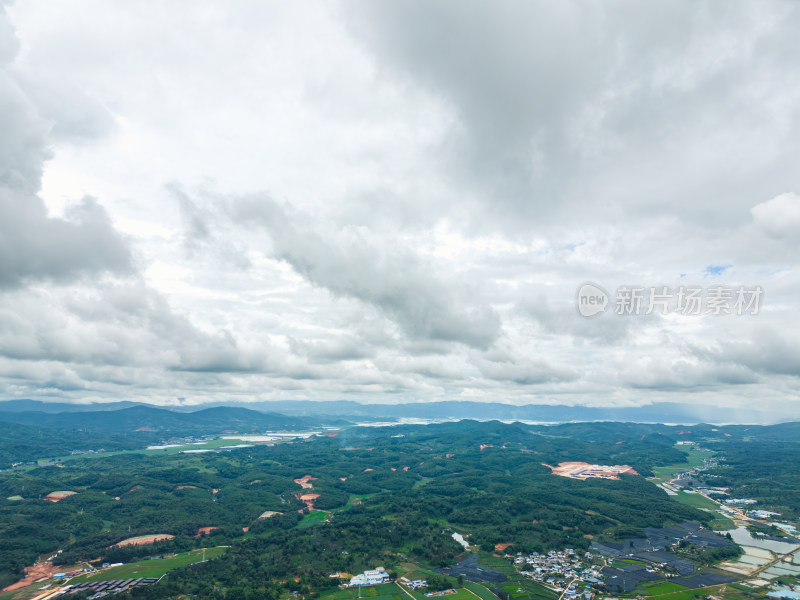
{"type": "Point", "coordinates": [766, 566]}
{"type": "Point", "coordinates": [561, 597]}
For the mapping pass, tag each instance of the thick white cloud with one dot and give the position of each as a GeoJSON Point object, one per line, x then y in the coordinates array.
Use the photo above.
{"type": "Point", "coordinates": [395, 199]}
{"type": "Point", "coordinates": [779, 217]}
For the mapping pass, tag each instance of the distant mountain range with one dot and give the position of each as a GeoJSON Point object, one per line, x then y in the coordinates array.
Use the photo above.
{"type": "Point", "coordinates": [57, 407]}
{"type": "Point", "coordinates": [143, 418]}
{"type": "Point", "coordinates": [314, 413]}
{"type": "Point", "coordinates": [665, 412]}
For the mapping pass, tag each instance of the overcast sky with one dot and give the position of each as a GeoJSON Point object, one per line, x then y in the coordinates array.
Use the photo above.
{"type": "Point", "coordinates": [396, 201]}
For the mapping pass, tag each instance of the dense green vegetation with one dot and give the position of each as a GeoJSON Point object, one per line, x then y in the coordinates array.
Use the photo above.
{"type": "Point", "coordinates": [24, 443]}
{"type": "Point", "coordinates": [694, 458]}
{"type": "Point", "coordinates": [154, 567]}
{"type": "Point", "coordinates": [759, 461]}
{"type": "Point", "coordinates": [386, 495]}
{"type": "Point", "coordinates": [501, 493]}
{"type": "Point", "coordinates": [763, 469]}
{"type": "Point", "coordinates": [137, 419]}
{"type": "Point", "coordinates": [709, 556]}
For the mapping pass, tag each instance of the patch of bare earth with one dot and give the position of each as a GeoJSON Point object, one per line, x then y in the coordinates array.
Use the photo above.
{"type": "Point", "coordinates": [144, 540]}
{"type": "Point", "coordinates": [305, 482]}
{"type": "Point", "coordinates": [39, 571]}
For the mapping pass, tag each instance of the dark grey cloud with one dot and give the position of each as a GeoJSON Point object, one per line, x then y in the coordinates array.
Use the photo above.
{"type": "Point", "coordinates": [345, 348]}
{"type": "Point", "coordinates": [34, 245]}
{"type": "Point", "coordinates": [562, 320]}
{"type": "Point", "coordinates": [205, 236]}
{"type": "Point", "coordinates": [23, 147]}
{"type": "Point", "coordinates": [447, 173]}
{"type": "Point", "coordinates": [767, 352]}
{"type": "Point", "coordinates": [511, 366]}
{"type": "Point", "coordinates": [565, 104]}
{"type": "Point", "coordinates": [195, 220]}
{"type": "Point", "coordinates": [684, 374]}
{"type": "Point", "coordinates": [120, 325]}
{"type": "Point", "coordinates": [392, 278]}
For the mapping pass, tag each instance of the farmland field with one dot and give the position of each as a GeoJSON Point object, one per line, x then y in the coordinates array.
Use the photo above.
{"type": "Point", "coordinates": [315, 517]}
{"type": "Point", "coordinates": [694, 458]}
{"type": "Point", "coordinates": [695, 500]}
{"type": "Point", "coordinates": [387, 591]}
{"type": "Point", "coordinates": [152, 568]}
{"type": "Point", "coordinates": [684, 595]}
{"type": "Point", "coordinates": [665, 588]}
{"type": "Point", "coordinates": [722, 524]}
{"type": "Point", "coordinates": [480, 591]}
{"type": "Point", "coordinates": [461, 594]}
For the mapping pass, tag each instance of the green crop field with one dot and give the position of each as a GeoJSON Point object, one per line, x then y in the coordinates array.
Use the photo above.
{"type": "Point", "coordinates": [684, 595]}
{"type": "Point", "coordinates": [315, 517]}
{"type": "Point", "coordinates": [387, 591]}
{"type": "Point", "coordinates": [695, 500]}
{"type": "Point", "coordinates": [479, 590]}
{"type": "Point", "coordinates": [497, 564]}
{"type": "Point", "coordinates": [461, 594]}
{"type": "Point", "coordinates": [694, 458]}
{"type": "Point", "coordinates": [418, 573]}
{"type": "Point", "coordinates": [665, 588]}
{"type": "Point", "coordinates": [722, 524]}
{"type": "Point", "coordinates": [151, 568]}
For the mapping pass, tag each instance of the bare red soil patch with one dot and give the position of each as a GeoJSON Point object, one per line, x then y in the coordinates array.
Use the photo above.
{"type": "Point", "coordinates": [60, 495]}
{"type": "Point", "coordinates": [305, 482]}
{"type": "Point", "coordinates": [307, 499]}
{"type": "Point", "coordinates": [144, 540]}
{"type": "Point", "coordinates": [41, 570]}
{"type": "Point", "coordinates": [204, 531]}
{"type": "Point", "coordinates": [583, 471]}
{"type": "Point", "coordinates": [502, 547]}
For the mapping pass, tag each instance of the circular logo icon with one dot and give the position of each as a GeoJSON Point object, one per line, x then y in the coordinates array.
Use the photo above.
{"type": "Point", "coordinates": [591, 300]}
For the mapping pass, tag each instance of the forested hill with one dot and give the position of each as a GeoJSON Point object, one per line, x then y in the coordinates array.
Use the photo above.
{"type": "Point", "coordinates": [607, 431]}
{"type": "Point", "coordinates": [30, 435]}
{"type": "Point", "coordinates": [664, 412]}
{"type": "Point", "coordinates": [384, 489]}
{"type": "Point", "coordinates": [208, 420]}
{"type": "Point", "coordinates": [23, 443]}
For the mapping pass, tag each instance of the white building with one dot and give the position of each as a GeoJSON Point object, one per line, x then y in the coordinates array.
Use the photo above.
{"type": "Point", "coordinates": [371, 577]}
